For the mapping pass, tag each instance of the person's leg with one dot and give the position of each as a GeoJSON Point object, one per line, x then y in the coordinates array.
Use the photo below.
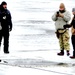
{"type": "Point", "coordinates": [6, 43]}
{"type": "Point", "coordinates": [0, 37]}
{"type": "Point", "coordinates": [73, 44]}
{"type": "Point", "coordinates": [66, 43]}
{"type": "Point", "coordinates": [61, 46]}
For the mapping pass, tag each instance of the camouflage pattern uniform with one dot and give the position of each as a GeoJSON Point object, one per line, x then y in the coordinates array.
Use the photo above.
{"type": "Point", "coordinates": [62, 18]}
{"type": "Point", "coordinates": [64, 40]}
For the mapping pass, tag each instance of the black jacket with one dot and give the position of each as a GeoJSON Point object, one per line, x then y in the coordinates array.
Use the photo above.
{"type": "Point", "coordinates": [5, 19]}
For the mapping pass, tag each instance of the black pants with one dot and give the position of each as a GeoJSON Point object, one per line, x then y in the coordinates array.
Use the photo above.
{"type": "Point", "coordinates": [73, 44]}
{"type": "Point", "coordinates": [5, 36]}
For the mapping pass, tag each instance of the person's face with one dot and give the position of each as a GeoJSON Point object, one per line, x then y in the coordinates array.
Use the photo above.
{"type": "Point", "coordinates": [73, 13]}
{"type": "Point", "coordinates": [5, 6]}
{"type": "Point", "coordinates": [61, 8]}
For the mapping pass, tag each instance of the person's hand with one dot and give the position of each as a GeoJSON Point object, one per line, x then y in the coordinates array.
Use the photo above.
{"type": "Point", "coordinates": [10, 29]}
{"type": "Point", "coordinates": [67, 26]}
{"type": "Point", "coordinates": [61, 15]}
{"type": "Point", "coordinates": [57, 14]}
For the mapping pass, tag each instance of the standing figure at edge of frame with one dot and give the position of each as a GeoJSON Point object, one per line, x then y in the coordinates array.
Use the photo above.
{"type": "Point", "coordinates": [6, 23]}
{"type": "Point", "coordinates": [72, 25]}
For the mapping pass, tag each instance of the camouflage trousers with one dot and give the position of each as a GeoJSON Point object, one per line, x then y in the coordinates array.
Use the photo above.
{"type": "Point", "coordinates": [64, 41]}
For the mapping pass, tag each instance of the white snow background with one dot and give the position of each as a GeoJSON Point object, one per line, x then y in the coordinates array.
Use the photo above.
{"type": "Point", "coordinates": [33, 45]}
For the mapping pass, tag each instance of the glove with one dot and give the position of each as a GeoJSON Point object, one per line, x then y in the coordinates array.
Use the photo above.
{"type": "Point", "coordinates": [10, 29]}
{"type": "Point", "coordinates": [67, 26]}
{"type": "Point", "coordinates": [57, 14]}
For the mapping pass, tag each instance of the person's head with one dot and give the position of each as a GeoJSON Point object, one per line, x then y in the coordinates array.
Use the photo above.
{"type": "Point", "coordinates": [62, 7]}
{"type": "Point", "coordinates": [4, 5]}
{"type": "Point", "coordinates": [73, 11]}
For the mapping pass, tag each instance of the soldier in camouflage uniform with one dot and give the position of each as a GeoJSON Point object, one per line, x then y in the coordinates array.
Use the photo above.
{"type": "Point", "coordinates": [61, 18]}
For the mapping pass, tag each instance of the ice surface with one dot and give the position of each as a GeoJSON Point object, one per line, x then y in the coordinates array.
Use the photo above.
{"type": "Point", "coordinates": [33, 45]}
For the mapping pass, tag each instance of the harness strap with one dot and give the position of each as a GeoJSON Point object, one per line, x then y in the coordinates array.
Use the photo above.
{"type": "Point", "coordinates": [64, 30]}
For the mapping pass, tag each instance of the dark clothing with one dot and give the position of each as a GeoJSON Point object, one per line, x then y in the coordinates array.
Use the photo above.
{"type": "Point", "coordinates": [6, 20]}
{"type": "Point", "coordinates": [6, 23]}
{"type": "Point", "coordinates": [73, 22]}
{"type": "Point", "coordinates": [73, 44]}
{"type": "Point", "coordinates": [73, 35]}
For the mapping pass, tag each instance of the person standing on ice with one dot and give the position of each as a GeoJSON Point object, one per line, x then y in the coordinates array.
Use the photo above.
{"type": "Point", "coordinates": [62, 17]}
{"type": "Point", "coordinates": [72, 25]}
{"type": "Point", "coordinates": [6, 23]}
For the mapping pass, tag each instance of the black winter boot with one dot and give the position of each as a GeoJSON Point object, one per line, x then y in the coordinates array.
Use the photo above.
{"type": "Point", "coordinates": [61, 53]}
{"type": "Point", "coordinates": [73, 57]}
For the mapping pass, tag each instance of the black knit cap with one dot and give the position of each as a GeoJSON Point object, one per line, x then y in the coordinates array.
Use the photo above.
{"type": "Point", "coordinates": [3, 3]}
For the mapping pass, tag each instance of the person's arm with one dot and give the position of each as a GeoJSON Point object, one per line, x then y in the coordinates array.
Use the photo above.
{"type": "Point", "coordinates": [10, 21]}
{"type": "Point", "coordinates": [67, 16]}
{"type": "Point", "coordinates": [69, 25]}
{"type": "Point", "coordinates": [55, 16]}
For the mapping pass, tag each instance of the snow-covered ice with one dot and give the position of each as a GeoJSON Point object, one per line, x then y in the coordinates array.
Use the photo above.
{"type": "Point", "coordinates": [33, 44]}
